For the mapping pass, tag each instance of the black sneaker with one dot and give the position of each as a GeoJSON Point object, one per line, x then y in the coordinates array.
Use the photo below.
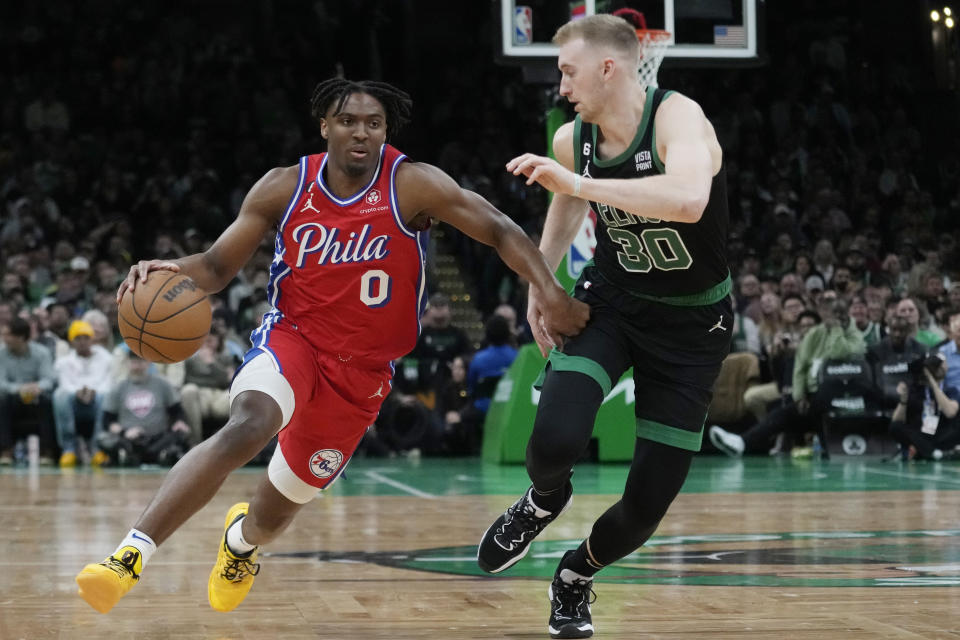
{"type": "Point", "coordinates": [508, 539]}
{"type": "Point", "coordinates": [570, 598]}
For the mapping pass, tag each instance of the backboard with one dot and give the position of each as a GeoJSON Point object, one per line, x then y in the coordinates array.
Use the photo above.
{"type": "Point", "coordinates": [702, 31]}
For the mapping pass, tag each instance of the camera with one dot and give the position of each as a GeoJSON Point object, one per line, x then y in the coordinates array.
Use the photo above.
{"type": "Point", "coordinates": [930, 361]}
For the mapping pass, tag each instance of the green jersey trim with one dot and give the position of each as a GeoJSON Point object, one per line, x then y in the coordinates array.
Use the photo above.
{"type": "Point", "coordinates": [653, 137]}
{"type": "Point", "coordinates": [577, 123]}
{"type": "Point", "coordinates": [671, 436]}
{"type": "Point", "coordinates": [629, 151]}
{"type": "Point", "coordinates": [560, 361]}
{"type": "Point", "coordinates": [714, 294]}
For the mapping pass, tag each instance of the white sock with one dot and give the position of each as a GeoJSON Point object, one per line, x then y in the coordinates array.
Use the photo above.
{"type": "Point", "coordinates": [141, 542]}
{"type": "Point", "coordinates": [570, 576]}
{"type": "Point", "coordinates": [235, 541]}
{"type": "Point", "coordinates": [537, 511]}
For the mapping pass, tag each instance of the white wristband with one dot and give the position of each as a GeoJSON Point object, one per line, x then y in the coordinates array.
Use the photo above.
{"type": "Point", "coordinates": [576, 184]}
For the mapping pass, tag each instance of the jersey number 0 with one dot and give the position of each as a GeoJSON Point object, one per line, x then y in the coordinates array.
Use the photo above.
{"type": "Point", "coordinates": [375, 288]}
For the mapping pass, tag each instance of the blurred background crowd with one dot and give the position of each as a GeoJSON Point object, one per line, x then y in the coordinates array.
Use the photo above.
{"type": "Point", "coordinates": [134, 130]}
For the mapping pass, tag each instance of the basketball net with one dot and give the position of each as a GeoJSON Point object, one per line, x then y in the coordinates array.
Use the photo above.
{"type": "Point", "coordinates": [653, 45]}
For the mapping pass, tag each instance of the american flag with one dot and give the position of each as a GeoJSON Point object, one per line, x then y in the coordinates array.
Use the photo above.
{"type": "Point", "coordinates": [729, 36]}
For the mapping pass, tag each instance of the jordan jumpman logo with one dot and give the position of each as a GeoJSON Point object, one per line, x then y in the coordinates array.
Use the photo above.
{"type": "Point", "coordinates": [719, 325]}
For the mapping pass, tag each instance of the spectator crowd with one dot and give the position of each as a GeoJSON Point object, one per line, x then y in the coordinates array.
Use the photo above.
{"type": "Point", "coordinates": [128, 131]}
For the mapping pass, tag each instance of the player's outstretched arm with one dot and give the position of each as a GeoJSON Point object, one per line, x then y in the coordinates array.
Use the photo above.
{"type": "Point", "coordinates": [564, 217]}
{"type": "Point", "coordinates": [566, 212]}
{"type": "Point", "coordinates": [213, 269]}
{"type": "Point", "coordinates": [424, 190]}
{"type": "Point", "coordinates": [680, 194]}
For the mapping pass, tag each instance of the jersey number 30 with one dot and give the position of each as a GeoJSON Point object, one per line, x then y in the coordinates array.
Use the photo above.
{"type": "Point", "coordinates": [660, 248]}
{"type": "Point", "coordinates": [375, 288]}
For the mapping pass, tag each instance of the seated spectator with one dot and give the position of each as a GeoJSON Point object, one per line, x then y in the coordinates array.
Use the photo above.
{"type": "Point", "coordinates": [925, 422]}
{"type": "Point", "coordinates": [508, 312]}
{"type": "Point", "coordinates": [490, 363]}
{"type": "Point", "coordinates": [748, 297]}
{"type": "Point", "coordinates": [951, 351]}
{"type": "Point", "coordinates": [898, 278]}
{"type": "Point", "coordinates": [82, 383]}
{"type": "Point", "coordinates": [144, 418]}
{"type": "Point", "coordinates": [26, 385]}
{"type": "Point", "coordinates": [103, 332]}
{"type": "Point", "coordinates": [791, 285]}
{"type": "Point", "coordinates": [757, 398]}
{"type": "Point", "coordinates": [858, 316]}
{"type": "Point", "coordinates": [771, 321]}
{"type": "Point", "coordinates": [746, 335]}
{"type": "Point", "coordinates": [932, 292]}
{"type": "Point", "coordinates": [814, 286]}
{"type": "Point", "coordinates": [461, 422]}
{"type": "Point", "coordinates": [222, 323]}
{"type": "Point", "coordinates": [953, 297]}
{"type": "Point", "coordinates": [206, 385]}
{"type": "Point", "coordinates": [842, 282]}
{"type": "Point", "coordinates": [426, 367]}
{"type": "Point", "coordinates": [823, 261]}
{"type": "Point", "coordinates": [40, 325]}
{"type": "Point", "coordinates": [833, 339]}
{"type": "Point", "coordinates": [919, 319]}
{"type": "Point", "coordinates": [891, 357]}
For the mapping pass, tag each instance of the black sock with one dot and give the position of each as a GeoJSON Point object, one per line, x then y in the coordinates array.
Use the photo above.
{"type": "Point", "coordinates": [554, 500]}
{"type": "Point", "coordinates": [579, 562]}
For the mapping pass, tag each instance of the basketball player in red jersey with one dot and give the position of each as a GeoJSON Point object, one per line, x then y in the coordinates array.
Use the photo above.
{"type": "Point", "coordinates": [347, 289]}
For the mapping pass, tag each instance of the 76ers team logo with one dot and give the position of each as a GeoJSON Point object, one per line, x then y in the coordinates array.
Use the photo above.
{"type": "Point", "coordinates": [324, 463]}
{"type": "Point", "coordinates": [373, 197]}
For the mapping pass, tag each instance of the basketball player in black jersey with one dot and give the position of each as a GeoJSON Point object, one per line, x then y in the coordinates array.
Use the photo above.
{"type": "Point", "coordinates": [648, 162]}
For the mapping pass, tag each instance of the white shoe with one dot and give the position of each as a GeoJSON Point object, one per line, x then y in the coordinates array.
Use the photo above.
{"type": "Point", "coordinates": [730, 443]}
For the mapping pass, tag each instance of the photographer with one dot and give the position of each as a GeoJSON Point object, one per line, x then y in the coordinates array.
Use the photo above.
{"type": "Point", "coordinates": [891, 358]}
{"type": "Point", "coordinates": [925, 422]}
{"type": "Point", "coordinates": [835, 338]}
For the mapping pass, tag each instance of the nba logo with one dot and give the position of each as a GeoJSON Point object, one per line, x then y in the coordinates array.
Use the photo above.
{"type": "Point", "coordinates": [584, 245]}
{"type": "Point", "coordinates": [522, 25]}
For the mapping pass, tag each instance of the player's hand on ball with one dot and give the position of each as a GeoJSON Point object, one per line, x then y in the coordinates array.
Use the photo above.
{"type": "Point", "coordinates": [139, 271]}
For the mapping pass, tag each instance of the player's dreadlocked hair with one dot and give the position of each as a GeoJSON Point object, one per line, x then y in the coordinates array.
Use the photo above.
{"type": "Point", "coordinates": [396, 103]}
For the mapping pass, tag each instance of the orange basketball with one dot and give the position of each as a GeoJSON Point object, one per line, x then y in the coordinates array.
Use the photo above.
{"type": "Point", "coordinates": [166, 318]}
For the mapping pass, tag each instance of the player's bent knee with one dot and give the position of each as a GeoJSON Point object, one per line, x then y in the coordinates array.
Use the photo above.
{"type": "Point", "coordinates": [564, 424]}
{"type": "Point", "coordinates": [260, 374]}
{"type": "Point", "coordinates": [287, 482]}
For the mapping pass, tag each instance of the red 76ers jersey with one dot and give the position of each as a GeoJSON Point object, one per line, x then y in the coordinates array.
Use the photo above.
{"type": "Point", "coordinates": [347, 274]}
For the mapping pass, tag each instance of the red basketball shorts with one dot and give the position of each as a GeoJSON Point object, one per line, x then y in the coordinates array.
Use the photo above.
{"type": "Point", "coordinates": [334, 401]}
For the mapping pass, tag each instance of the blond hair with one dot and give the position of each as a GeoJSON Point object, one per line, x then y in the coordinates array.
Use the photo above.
{"type": "Point", "coordinates": [599, 30]}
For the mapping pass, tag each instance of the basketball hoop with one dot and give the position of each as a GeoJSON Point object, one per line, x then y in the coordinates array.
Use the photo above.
{"type": "Point", "coordinates": [653, 46]}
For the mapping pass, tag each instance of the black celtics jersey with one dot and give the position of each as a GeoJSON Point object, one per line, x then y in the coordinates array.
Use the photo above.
{"type": "Point", "coordinates": [677, 262]}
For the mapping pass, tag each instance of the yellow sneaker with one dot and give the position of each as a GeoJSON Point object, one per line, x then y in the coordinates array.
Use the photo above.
{"type": "Point", "coordinates": [232, 577]}
{"type": "Point", "coordinates": [103, 584]}
{"type": "Point", "coordinates": [68, 459]}
{"type": "Point", "coordinates": [99, 459]}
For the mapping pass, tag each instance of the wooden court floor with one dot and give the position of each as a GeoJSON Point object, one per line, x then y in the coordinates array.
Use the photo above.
{"type": "Point", "coordinates": [761, 548]}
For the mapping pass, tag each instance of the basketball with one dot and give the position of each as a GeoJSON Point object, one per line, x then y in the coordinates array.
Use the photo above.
{"type": "Point", "coordinates": [166, 318]}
